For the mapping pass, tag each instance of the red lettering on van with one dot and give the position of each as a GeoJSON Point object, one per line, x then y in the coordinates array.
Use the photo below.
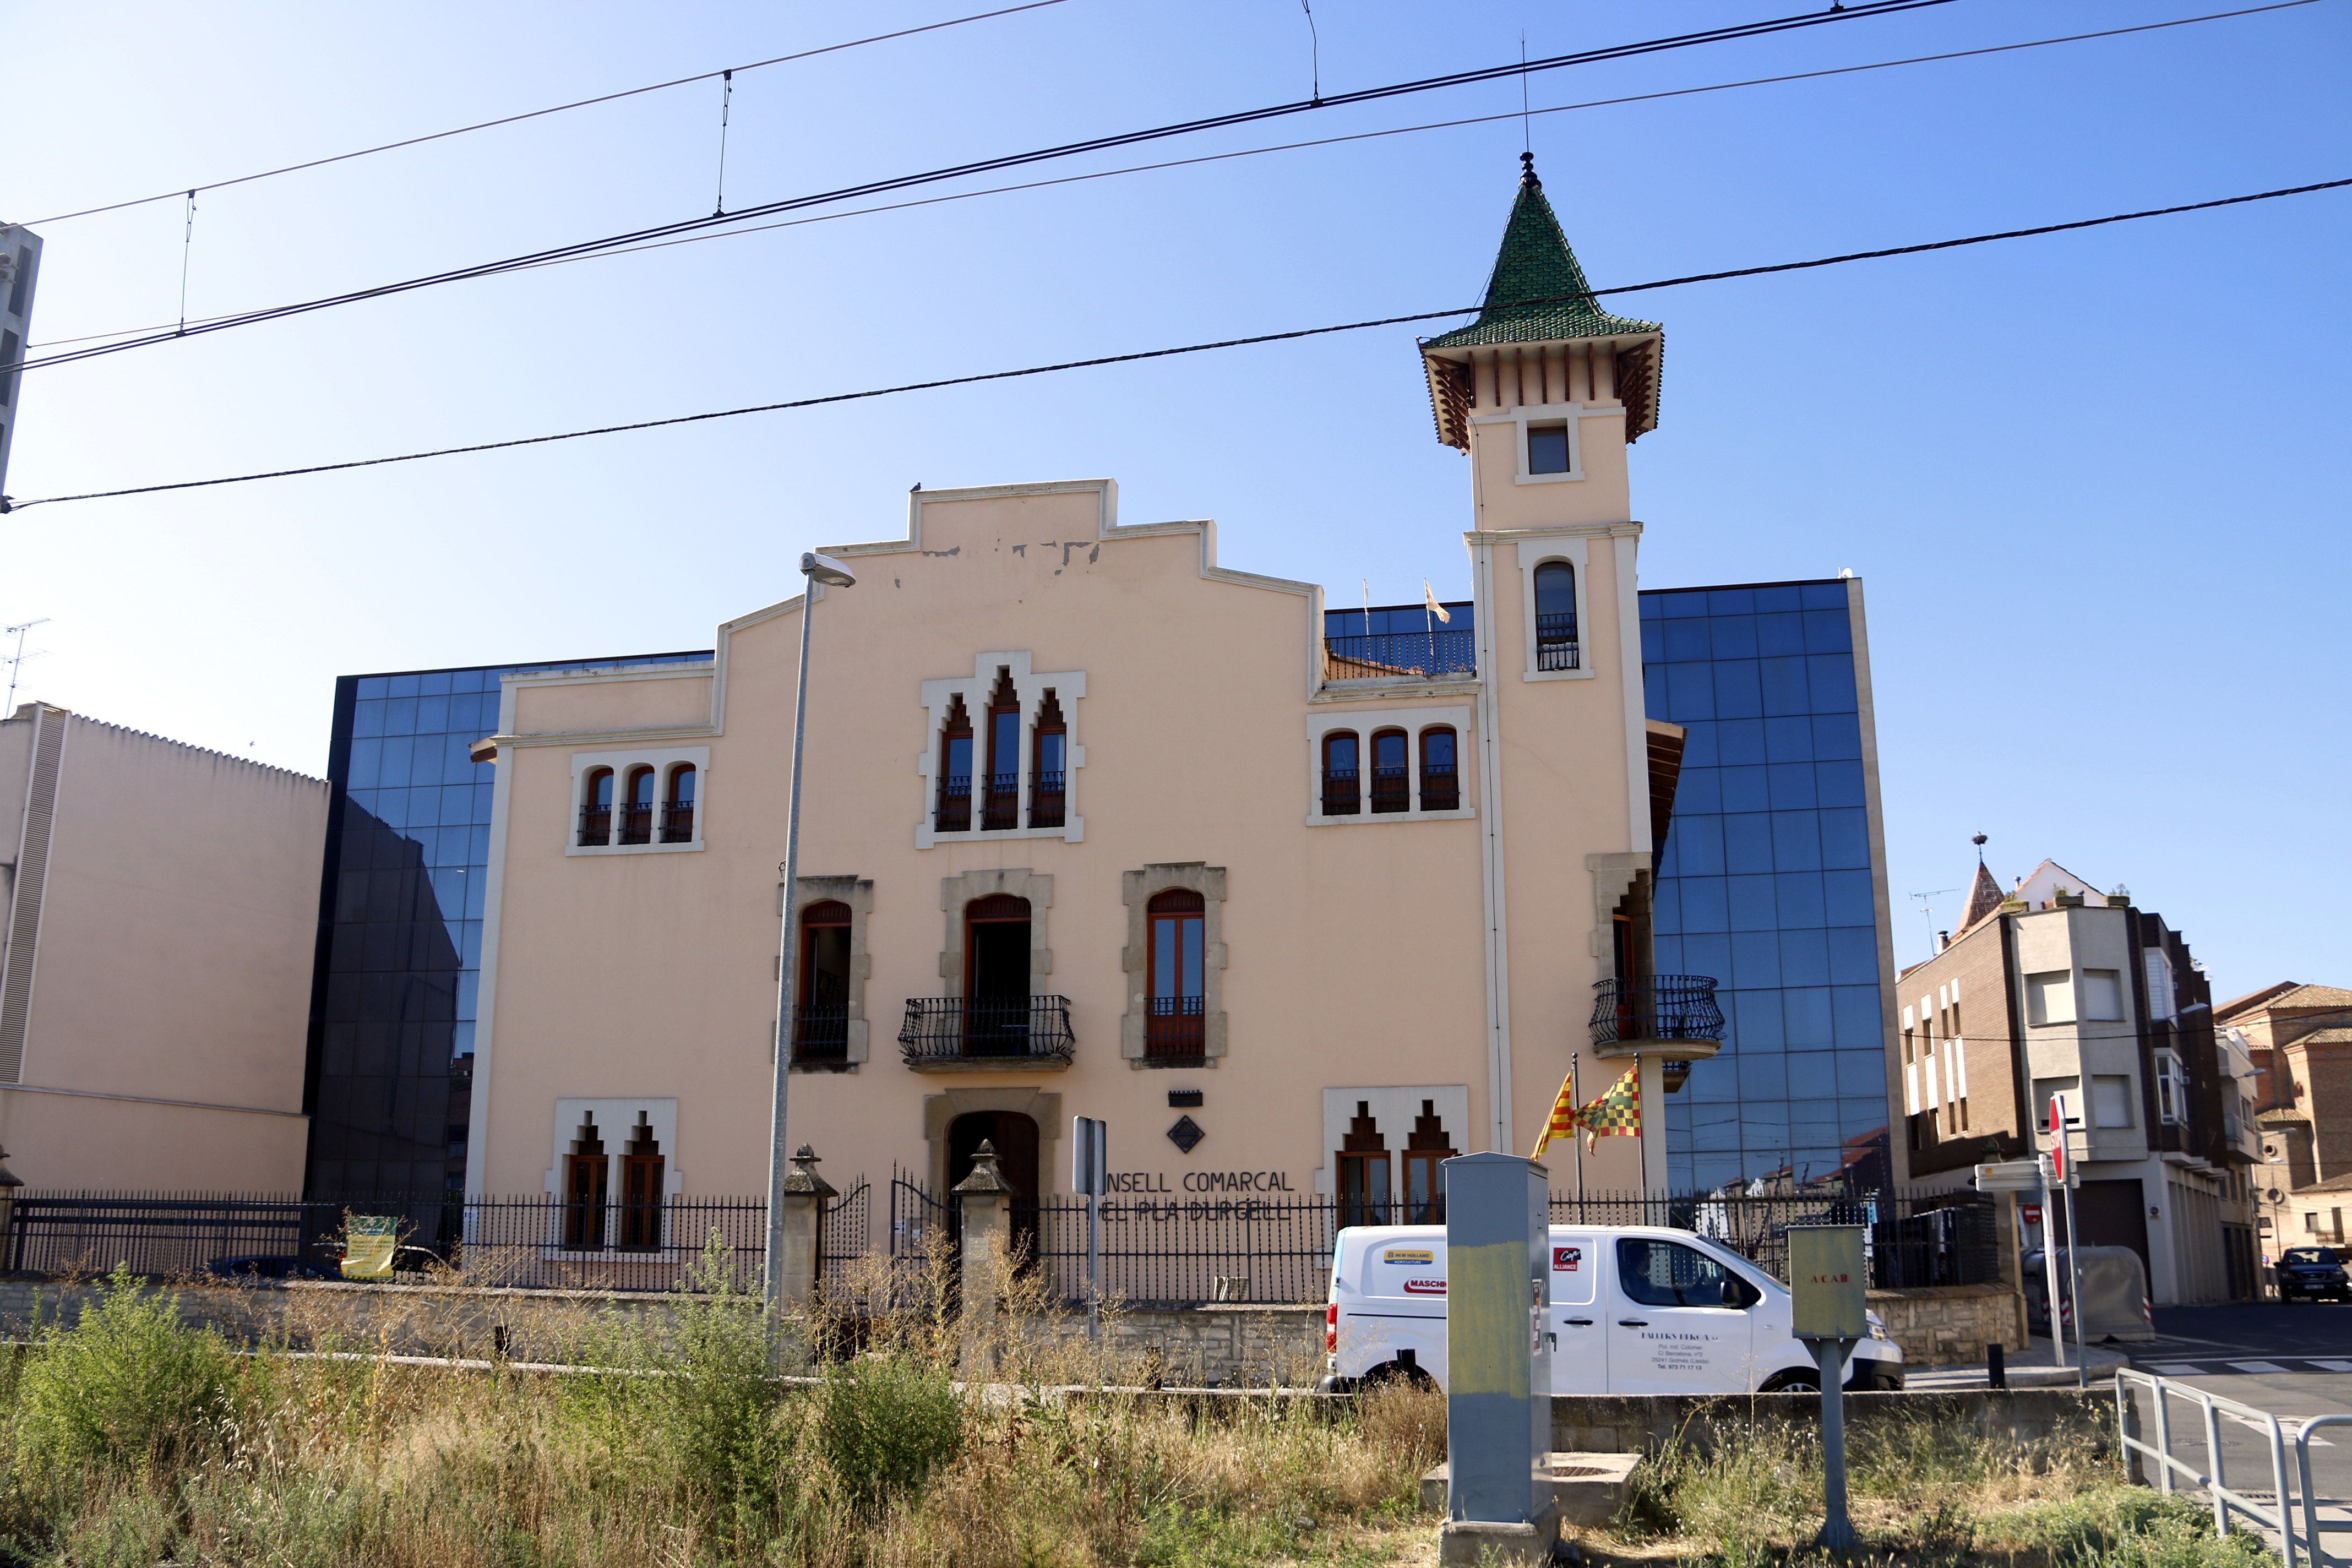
{"type": "Point", "coordinates": [1425, 1287]}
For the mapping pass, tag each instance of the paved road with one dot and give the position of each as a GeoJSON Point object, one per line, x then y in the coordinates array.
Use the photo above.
{"type": "Point", "coordinates": [2293, 1362]}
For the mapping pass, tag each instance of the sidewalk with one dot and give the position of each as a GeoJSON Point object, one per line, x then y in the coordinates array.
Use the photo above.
{"type": "Point", "coordinates": [2028, 1368]}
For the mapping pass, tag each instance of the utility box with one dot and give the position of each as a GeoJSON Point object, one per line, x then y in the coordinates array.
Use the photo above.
{"type": "Point", "coordinates": [1827, 1280]}
{"type": "Point", "coordinates": [1498, 1359]}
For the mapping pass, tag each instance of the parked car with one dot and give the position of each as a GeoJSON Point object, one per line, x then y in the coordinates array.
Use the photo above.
{"type": "Point", "coordinates": [2312, 1273]}
{"type": "Point", "coordinates": [1635, 1310]}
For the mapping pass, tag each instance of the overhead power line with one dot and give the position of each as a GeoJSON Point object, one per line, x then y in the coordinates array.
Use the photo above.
{"type": "Point", "coordinates": [1338, 141]}
{"type": "Point", "coordinates": [538, 113]}
{"type": "Point", "coordinates": [1010, 161]}
{"type": "Point", "coordinates": [1141, 354]}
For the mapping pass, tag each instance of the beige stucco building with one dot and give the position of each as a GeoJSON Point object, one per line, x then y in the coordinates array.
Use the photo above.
{"type": "Point", "coordinates": [162, 907]}
{"type": "Point", "coordinates": [1097, 824]}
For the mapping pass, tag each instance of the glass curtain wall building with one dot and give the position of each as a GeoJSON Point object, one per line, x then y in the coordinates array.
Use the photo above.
{"type": "Point", "coordinates": [388, 1081]}
{"type": "Point", "coordinates": [1772, 880]}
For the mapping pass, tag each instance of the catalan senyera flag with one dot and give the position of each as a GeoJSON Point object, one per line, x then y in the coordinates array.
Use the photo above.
{"type": "Point", "coordinates": [1617, 1113]}
{"type": "Point", "coordinates": [1561, 1123]}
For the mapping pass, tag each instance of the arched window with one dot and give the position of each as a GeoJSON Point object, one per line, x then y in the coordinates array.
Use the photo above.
{"type": "Point", "coordinates": [586, 1172]}
{"type": "Point", "coordinates": [1440, 777]}
{"type": "Point", "coordinates": [642, 1167]}
{"type": "Point", "coordinates": [1392, 771]}
{"type": "Point", "coordinates": [1556, 645]}
{"type": "Point", "coordinates": [954, 811]}
{"type": "Point", "coordinates": [1343, 780]}
{"type": "Point", "coordinates": [637, 808]}
{"type": "Point", "coordinates": [1003, 809]}
{"type": "Point", "coordinates": [1175, 989]}
{"type": "Point", "coordinates": [1048, 775]}
{"type": "Point", "coordinates": [678, 810]}
{"type": "Point", "coordinates": [821, 1017]}
{"type": "Point", "coordinates": [597, 807]}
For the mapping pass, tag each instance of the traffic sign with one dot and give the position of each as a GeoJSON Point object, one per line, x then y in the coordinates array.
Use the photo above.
{"type": "Point", "coordinates": [2058, 1137]}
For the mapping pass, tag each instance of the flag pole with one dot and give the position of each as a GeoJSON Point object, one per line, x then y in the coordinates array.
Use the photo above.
{"type": "Point", "coordinates": [1575, 1093]}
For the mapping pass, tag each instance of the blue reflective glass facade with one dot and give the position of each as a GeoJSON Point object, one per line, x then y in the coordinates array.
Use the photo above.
{"type": "Point", "coordinates": [389, 1080]}
{"type": "Point", "coordinates": [1767, 882]}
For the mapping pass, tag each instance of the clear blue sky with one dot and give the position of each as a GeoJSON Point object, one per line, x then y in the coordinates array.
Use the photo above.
{"type": "Point", "coordinates": [2093, 482]}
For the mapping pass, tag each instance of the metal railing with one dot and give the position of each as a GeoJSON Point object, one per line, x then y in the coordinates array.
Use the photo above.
{"type": "Point", "coordinates": [2213, 1408]}
{"type": "Point", "coordinates": [843, 1235]}
{"type": "Point", "coordinates": [821, 1032]}
{"type": "Point", "coordinates": [595, 826]}
{"type": "Point", "coordinates": [525, 1241]}
{"type": "Point", "coordinates": [1910, 1242]}
{"type": "Point", "coordinates": [1342, 793]}
{"type": "Point", "coordinates": [976, 1028]}
{"type": "Point", "coordinates": [1441, 789]}
{"type": "Point", "coordinates": [637, 823]}
{"type": "Point", "coordinates": [1046, 799]}
{"type": "Point", "coordinates": [954, 812]}
{"type": "Point", "coordinates": [1175, 1028]}
{"type": "Point", "coordinates": [1392, 788]}
{"type": "Point", "coordinates": [1189, 1250]}
{"type": "Point", "coordinates": [1388, 654]}
{"type": "Point", "coordinates": [1003, 809]}
{"type": "Point", "coordinates": [1556, 644]}
{"type": "Point", "coordinates": [678, 823]}
{"type": "Point", "coordinates": [1656, 1007]}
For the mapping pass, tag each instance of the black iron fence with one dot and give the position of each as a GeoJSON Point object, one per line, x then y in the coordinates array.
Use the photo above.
{"type": "Point", "coordinates": [1170, 1249]}
{"type": "Point", "coordinates": [1429, 653]}
{"type": "Point", "coordinates": [1655, 1007]}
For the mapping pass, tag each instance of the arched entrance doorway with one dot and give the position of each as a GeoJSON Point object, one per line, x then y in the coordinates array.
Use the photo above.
{"type": "Point", "coordinates": [1015, 1137]}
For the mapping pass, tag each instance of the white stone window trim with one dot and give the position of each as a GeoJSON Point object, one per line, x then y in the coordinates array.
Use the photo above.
{"type": "Point", "coordinates": [1029, 689]}
{"type": "Point", "coordinates": [1368, 722]}
{"type": "Point", "coordinates": [1571, 416]}
{"type": "Point", "coordinates": [662, 759]}
{"type": "Point", "coordinates": [1574, 552]}
{"type": "Point", "coordinates": [1394, 1108]}
{"type": "Point", "coordinates": [616, 1119]}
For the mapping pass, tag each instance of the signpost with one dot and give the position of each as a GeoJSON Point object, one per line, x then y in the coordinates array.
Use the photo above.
{"type": "Point", "coordinates": [1090, 1174]}
{"type": "Point", "coordinates": [1827, 1280]}
{"type": "Point", "coordinates": [2032, 1176]}
{"type": "Point", "coordinates": [2063, 1167]}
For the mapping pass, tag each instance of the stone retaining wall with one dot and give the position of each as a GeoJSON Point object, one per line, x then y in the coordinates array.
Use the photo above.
{"type": "Point", "coordinates": [1950, 1325]}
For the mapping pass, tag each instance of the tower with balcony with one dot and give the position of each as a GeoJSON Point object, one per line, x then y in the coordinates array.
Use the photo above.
{"type": "Point", "coordinates": [1545, 392]}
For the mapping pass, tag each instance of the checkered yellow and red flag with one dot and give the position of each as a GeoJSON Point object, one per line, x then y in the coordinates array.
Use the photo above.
{"type": "Point", "coordinates": [1617, 1113]}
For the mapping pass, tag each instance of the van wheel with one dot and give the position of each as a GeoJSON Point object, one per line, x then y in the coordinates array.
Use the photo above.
{"type": "Point", "coordinates": [1797, 1380]}
{"type": "Point", "coordinates": [1396, 1375]}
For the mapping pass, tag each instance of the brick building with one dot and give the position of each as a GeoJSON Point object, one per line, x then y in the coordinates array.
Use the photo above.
{"type": "Point", "coordinates": [2300, 1038]}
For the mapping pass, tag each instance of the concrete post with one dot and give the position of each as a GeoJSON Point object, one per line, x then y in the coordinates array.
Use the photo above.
{"type": "Point", "coordinates": [800, 1224]}
{"type": "Point", "coordinates": [986, 1200]}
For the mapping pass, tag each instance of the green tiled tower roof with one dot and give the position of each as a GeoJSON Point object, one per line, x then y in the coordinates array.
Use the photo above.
{"type": "Point", "coordinates": [1536, 264]}
{"type": "Point", "coordinates": [1537, 294]}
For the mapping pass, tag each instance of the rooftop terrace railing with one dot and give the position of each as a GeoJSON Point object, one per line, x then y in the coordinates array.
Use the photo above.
{"type": "Point", "coordinates": [1432, 654]}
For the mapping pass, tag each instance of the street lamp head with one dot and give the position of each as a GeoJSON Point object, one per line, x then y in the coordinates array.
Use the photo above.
{"type": "Point", "coordinates": [827, 571]}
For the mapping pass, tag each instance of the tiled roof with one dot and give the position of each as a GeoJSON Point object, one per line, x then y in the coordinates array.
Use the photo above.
{"type": "Point", "coordinates": [2322, 1037]}
{"type": "Point", "coordinates": [2286, 993]}
{"type": "Point", "coordinates": [1538, 292]}
{"type": "Point", "coordinates": [1984, 897]}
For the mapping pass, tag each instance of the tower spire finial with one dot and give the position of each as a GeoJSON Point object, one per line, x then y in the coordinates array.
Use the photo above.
{"type": "Point", "coordinates": [1528, 171]}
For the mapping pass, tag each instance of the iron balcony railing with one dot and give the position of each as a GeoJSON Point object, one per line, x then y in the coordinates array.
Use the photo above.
{"type": "Point", "coordinates": [678, 823]}
{"type": "Point", "coordinates": [1431, 653]}
{"type": "Point", "coordinates": [1392, 788]}
{"type": "Point", "coordinates": [954, 814]}
{"type": "Point", "coordinates": [1047, 798]}
{"type": "Point", "coordinates": [821, 1032]}
{"type": "Point", "coordinates": [1556, 645]}
{"type": "Point", "coordinates": [1342, 793]}
{"type": "Point", "coordinates": [595, 826]}
{"type": "Point", "coordinates": [1175, 1029]}
{"type": "Point", "coordinates": [637, 823]}
{"type": "Point", "coordinates": [1441, 789]}
{"type": "Point", "coordinates": [986, 1028]}
{"type": "Point", "coordinates": [1656, 1007]}
{"type": "Point", "coordinates": [1004, 808]}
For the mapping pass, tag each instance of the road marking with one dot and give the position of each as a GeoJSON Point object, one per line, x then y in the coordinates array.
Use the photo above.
{"type": "Point", "coordinates": [2257, 1366]}
{"type": "Point", "coordinates": [2332, 1365]}
{"type": "Point", "coordinates": [2176, 1368]}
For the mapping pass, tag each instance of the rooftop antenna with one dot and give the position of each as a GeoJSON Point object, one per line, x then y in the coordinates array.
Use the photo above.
{"type": "Point", "coordinates": [1314, 54]}
{"type": "Point", "coordinates": [1927, 911]}
{"type": "Point", "coordinates": [16, 660]}
{"type": "Point", "coordinates": [1527, 121]}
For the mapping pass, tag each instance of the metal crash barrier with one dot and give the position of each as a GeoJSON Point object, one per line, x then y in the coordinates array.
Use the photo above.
{"type": "Point", "coordinates": [2279, 1518]}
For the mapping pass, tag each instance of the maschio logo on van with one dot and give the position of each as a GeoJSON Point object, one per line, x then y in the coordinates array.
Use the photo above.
{"type": "Point", "coordinates": [1408, 1254]}
{"type": "Point", "coordinates": [1425, 1287]}
{"type": "Point", "coordinates": [1567, 1260]}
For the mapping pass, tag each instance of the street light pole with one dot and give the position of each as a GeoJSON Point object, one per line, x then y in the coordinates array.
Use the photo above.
{"type": "Point", "coordinates": [814, 569]}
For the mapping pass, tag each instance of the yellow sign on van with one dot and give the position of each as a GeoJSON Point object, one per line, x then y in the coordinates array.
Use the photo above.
{"type": "Point", "coordinates": [1408, 1254]}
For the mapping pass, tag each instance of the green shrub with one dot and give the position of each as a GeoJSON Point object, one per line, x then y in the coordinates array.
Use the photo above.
{"type": "Point", "coordinates": [885, 1424]}
{"type": "Point", "coordinates": [128, 1385]}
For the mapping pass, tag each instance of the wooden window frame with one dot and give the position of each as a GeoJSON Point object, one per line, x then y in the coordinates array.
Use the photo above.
{"type": "Point", "coordinates": [1175, 1033]}
{"type": "Point", "coordinates": [824, 1040]}
{"type": "Point", "coordinates": [595, 818]}
{"type": "Point", "coordinates": [637, 816]}
{"type": "Point", "coordinates": [953, 810]}
{"type": "Point", "coordinates": [1000, 801]}
{"type": "Point", "coordinates": [1049, 789]}
{"type": "Point", "coordinates": [1387, 797]}
{"type": "Point", "coordinates": [1441, 794]}
{"type": "Point", "coordinates": [1343, 797]}
{"type": "Point", "coordinates": [1551, 643]}
{"type": "Point", "coordinates": [676, 815]}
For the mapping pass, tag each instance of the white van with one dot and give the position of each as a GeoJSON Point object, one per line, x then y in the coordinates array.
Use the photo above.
{"type": "Point", "coordinates": [1635, 1310]}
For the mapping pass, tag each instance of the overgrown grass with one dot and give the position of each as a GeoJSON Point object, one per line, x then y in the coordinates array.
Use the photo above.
{"type": "Point", "coordinates": [128, 1440]}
